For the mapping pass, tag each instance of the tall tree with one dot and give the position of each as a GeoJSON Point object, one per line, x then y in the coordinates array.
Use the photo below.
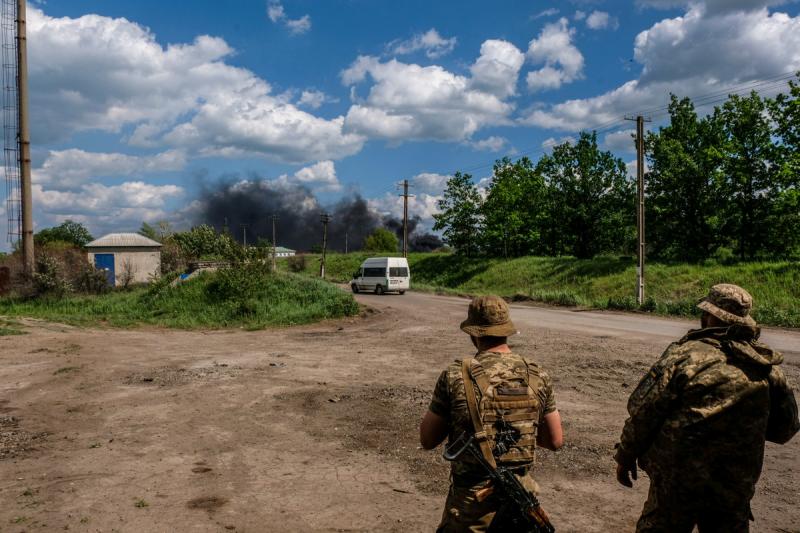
{"type": "Point", "coordinates": [590, 200]}
{"type": "Point", "coordinates": [683, 184]}
{"type": "Point", "coordinates": [750, 172]}
{"type": "Point", "coordinates": [514, 209]}
{"type": "Point", "coordinates": [785, 216]}
{"type": "Point", "coordinates": [68, 231]}
{"type": "Point", "coordinates": [459, 214]}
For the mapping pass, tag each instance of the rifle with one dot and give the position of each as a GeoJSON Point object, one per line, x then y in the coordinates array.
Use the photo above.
{"type": "Point", "coordinates": [520, 510]}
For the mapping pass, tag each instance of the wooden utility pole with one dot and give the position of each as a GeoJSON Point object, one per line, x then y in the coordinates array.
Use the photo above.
{"type": "Point", "coordinates": [244, 234]}
{"type": "Point", "coordinates": [325, 219]}
{"type": "Point", "coordinates": [345, 241]}
{"type": "Point", "coordinates": [24, 140]}
{"type": "Point", "coordinates": [405, 196]}
{"type": "Point", "coordinates": [274, 244]}
{"type": "Point", "coordinates": [640, 251]}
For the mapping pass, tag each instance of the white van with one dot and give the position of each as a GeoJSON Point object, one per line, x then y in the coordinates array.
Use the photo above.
{"type": "Point", "coordinates": [382, 274]}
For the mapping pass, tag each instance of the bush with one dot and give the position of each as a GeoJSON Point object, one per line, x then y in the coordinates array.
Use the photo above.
{"type": "Point", "coordinates": [381, 240]}
{"type": "Point", "coordinates": [238, 282]}
{"type": "Point", "coordinates": [91, 281]}
{"type": "Point", "coordinates": [48, 279]}
{"type": "Point", "coordinates": [297, 263]}
{"type": "Point", "coordinates": [724, 256]}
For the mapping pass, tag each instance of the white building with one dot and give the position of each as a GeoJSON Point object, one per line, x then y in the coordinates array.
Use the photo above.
{"type": "Point", "coordinates": [280, 251]}
{"type": "Point", "coordinates": [126, 257]}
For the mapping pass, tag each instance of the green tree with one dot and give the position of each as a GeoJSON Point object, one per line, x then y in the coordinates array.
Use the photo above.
{"type": "Point", "coordinates": [590, 205]}
{"type": "Point", "coordinates": [683, 185]}
{"type": "Point", "coordinates": [381, 240]}
{"type": "Point", "coordinates": [204, 241]}
{"type": "Point", "coordinates": [749, 164]}
{"type": "Point", "coordinates": [784, 219]}
{"type": "Point", "coordinates": [160, 232]}
{"type": "Point", "coordinates": [514, 209]}
{"type": "Point", "coordinates": [68, 231]}
{"type": "Point", "coordinates": [459, 214]}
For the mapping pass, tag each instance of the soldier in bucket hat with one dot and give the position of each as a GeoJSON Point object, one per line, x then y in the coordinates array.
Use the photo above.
{"type": "Point", "coordinates": [699, 419]}
{"type": "Point", "coordinates": [510, 395]}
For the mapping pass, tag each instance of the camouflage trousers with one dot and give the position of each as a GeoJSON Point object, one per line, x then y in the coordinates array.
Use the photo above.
{"type": "Point", "coordinates": [464, 513]}
{"type": "Point", "coordinates": [670, 511]}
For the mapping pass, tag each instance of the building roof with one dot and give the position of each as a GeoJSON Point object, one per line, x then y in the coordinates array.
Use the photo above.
{"type": "Point", "coordinates": [282, 250]}
{"type": "Point", "coordinates": [123, 240]}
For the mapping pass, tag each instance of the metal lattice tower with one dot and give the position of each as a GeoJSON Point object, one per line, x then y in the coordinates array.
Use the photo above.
{"type": "Point", "coordinates": [11, 151]}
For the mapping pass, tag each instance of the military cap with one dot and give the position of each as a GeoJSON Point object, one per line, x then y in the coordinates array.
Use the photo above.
{"type": "Point", "coordinates": [730, 303]}
{"type": "Point", "coordinates": [488, 316]}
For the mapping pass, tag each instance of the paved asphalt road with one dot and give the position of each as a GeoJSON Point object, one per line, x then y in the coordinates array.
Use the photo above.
{"type": "Point", "coordinates": [630, 326]}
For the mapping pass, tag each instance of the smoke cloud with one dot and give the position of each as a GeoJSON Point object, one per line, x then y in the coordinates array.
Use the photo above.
{"type": "Point", "coordinates": [248, 205]}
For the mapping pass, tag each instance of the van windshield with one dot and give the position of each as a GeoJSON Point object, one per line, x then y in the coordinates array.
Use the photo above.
{"type": "Point", "coordinates": [398, 272]}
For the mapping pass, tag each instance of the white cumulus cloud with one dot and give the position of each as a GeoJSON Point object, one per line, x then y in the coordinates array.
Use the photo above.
{"type": "Point", "coordinates": [492, 143]}
{"type": "Point", "coordinates": [600, 20]}
{"type": "Point", "coordinates": [697, 53]}
{"type": "Point", "coordinates": [497, 68]}
{"type": "Point", "coordinates": [100, 73]}
{"type": "Point", "coordinates": [66, 169]}
{"type": "Point", "coordinates": [409, 101]}
{"type": "Point", "coordinates": [431, 42]}
{"type": "Point", "coordinates": [563, 62]}
{"type": "Point", "coordinates": [277, 14]}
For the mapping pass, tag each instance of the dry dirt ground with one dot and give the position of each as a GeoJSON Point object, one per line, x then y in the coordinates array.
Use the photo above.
{"type": "Point", "coordinates": [311, 428]}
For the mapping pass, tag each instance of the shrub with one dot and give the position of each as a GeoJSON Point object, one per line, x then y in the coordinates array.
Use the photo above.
{"type": "Point", "coordinates": [297, 263]}
{"type": "Point", "coordinates": [91, 281]}
{"type": "Point", "coordinates": [381, 240]}
{"type": "Point", "coordinates": [48, 279]}
{"type": "Point", "coordinates": [237, 282]}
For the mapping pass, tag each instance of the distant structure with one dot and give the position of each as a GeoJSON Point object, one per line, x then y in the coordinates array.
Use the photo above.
{"type": "Point", "coordinates": [126, 258]}
{"type": "Point", "coordinates": [280, 251]}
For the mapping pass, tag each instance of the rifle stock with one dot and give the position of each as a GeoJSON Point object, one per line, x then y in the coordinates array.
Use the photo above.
{"type": "Point", "coordinates": [526, 504]}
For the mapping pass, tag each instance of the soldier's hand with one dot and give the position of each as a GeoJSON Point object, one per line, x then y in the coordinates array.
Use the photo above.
{"type": "Point", "coordinates": [625, 474]}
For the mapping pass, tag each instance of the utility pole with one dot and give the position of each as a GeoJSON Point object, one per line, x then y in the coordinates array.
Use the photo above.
{"type": "Point", "coordinates": [345, 242]}
{"type": "Point", "coordinates": [274, 244]}
{"type": "Point", "coordinates": [405, 196]}
{"type": "Point", "coordinates": [244, 234]}
{"type": "Point", "coordinates": [640, 252]}
{"type": "Point", "coordinates": [325, 219]}
{"type": "Point", "coordinates": [24, 140]}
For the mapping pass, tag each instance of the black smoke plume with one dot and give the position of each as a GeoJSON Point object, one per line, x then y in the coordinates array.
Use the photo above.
{"type": "Point", "coordinates": [247, 207]}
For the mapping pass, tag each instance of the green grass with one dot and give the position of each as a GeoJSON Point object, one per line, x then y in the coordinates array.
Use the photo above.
{"type": "Point", "coordinates": [601, 283]}
{"type": "Point", "coordinates": [10, 327]}
{"type": "Point", "coordinates": [247, 299]}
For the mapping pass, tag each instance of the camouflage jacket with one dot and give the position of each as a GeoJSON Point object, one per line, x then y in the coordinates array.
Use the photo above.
{"type": "Point", "coordinates": [700, 417]}
{"type": "Point", "coordinates": [449, 401]}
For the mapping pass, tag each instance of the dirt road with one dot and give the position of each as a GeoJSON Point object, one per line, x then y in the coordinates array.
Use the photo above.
{"type": "Point", "coordinates": [311, 428]}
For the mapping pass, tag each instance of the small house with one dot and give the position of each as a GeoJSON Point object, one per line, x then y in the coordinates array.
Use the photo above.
{"type": "Point", "coordinates": [280, 251]}
{"type": "Point", "coordinates": [126, 258]}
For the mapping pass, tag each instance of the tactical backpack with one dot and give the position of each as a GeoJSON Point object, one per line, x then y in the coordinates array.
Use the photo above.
{"type": "Point", "coordinates": [506, 417]}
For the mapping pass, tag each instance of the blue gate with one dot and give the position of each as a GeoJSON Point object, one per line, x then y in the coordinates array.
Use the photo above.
{"type": "Point", "coordinates": [105, 262]}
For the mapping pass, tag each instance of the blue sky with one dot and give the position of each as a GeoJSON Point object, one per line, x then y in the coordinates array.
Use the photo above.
{"type": "Point", "coordinates": [137, 104]}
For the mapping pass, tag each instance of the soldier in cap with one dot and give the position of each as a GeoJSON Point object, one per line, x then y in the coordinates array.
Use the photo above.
{"type": "Point", "coordinates": [699, 420]}
{"type": "Point", "coordinates": [510, 395]}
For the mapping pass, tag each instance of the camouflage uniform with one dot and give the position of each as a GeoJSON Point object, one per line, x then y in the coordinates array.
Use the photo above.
{"type": "Point", "coordinates": [462, 511]}
{"type": "Point", "coordinates": [699, 419]}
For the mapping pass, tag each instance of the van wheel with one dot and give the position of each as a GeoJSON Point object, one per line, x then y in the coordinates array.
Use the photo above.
{"type": "Point", "coordinates": [402, 292]}
{"type": "Point", "coordinates": [355, 288]}
{"type": "Point", "coordinates": [378, 289]}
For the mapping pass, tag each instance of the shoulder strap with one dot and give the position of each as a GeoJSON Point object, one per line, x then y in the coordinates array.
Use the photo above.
{"type": "Point", "coordinates": [472, 405]}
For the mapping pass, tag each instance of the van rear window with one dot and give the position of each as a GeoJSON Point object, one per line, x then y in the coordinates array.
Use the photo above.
{"type": "Point", "coordinates": [374, 272]}
{"type": "Point", "coordinates": [398, 272]}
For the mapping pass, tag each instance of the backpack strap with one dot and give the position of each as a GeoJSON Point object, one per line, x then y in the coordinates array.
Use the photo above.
{"type": "Point", "coordinates": [472, 404]}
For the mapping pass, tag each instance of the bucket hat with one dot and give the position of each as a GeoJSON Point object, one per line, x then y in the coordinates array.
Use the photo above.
{"type": "Point", "coordinates": [488, 316]}
{"type": "Point", "coordinates": [730, 303]}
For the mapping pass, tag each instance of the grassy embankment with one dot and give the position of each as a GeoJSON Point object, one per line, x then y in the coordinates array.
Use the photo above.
{"type": "Point", "coordinates": [213, 300]}
{"type": "Point", "coordinates": [601, 283]}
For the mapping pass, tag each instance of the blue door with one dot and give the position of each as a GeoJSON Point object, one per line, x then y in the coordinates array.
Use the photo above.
{"type": "Point", "coordinates": [105, 262]}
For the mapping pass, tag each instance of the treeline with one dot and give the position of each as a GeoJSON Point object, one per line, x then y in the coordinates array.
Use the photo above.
{"type": "Point", "coordinates": [726, 185]}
